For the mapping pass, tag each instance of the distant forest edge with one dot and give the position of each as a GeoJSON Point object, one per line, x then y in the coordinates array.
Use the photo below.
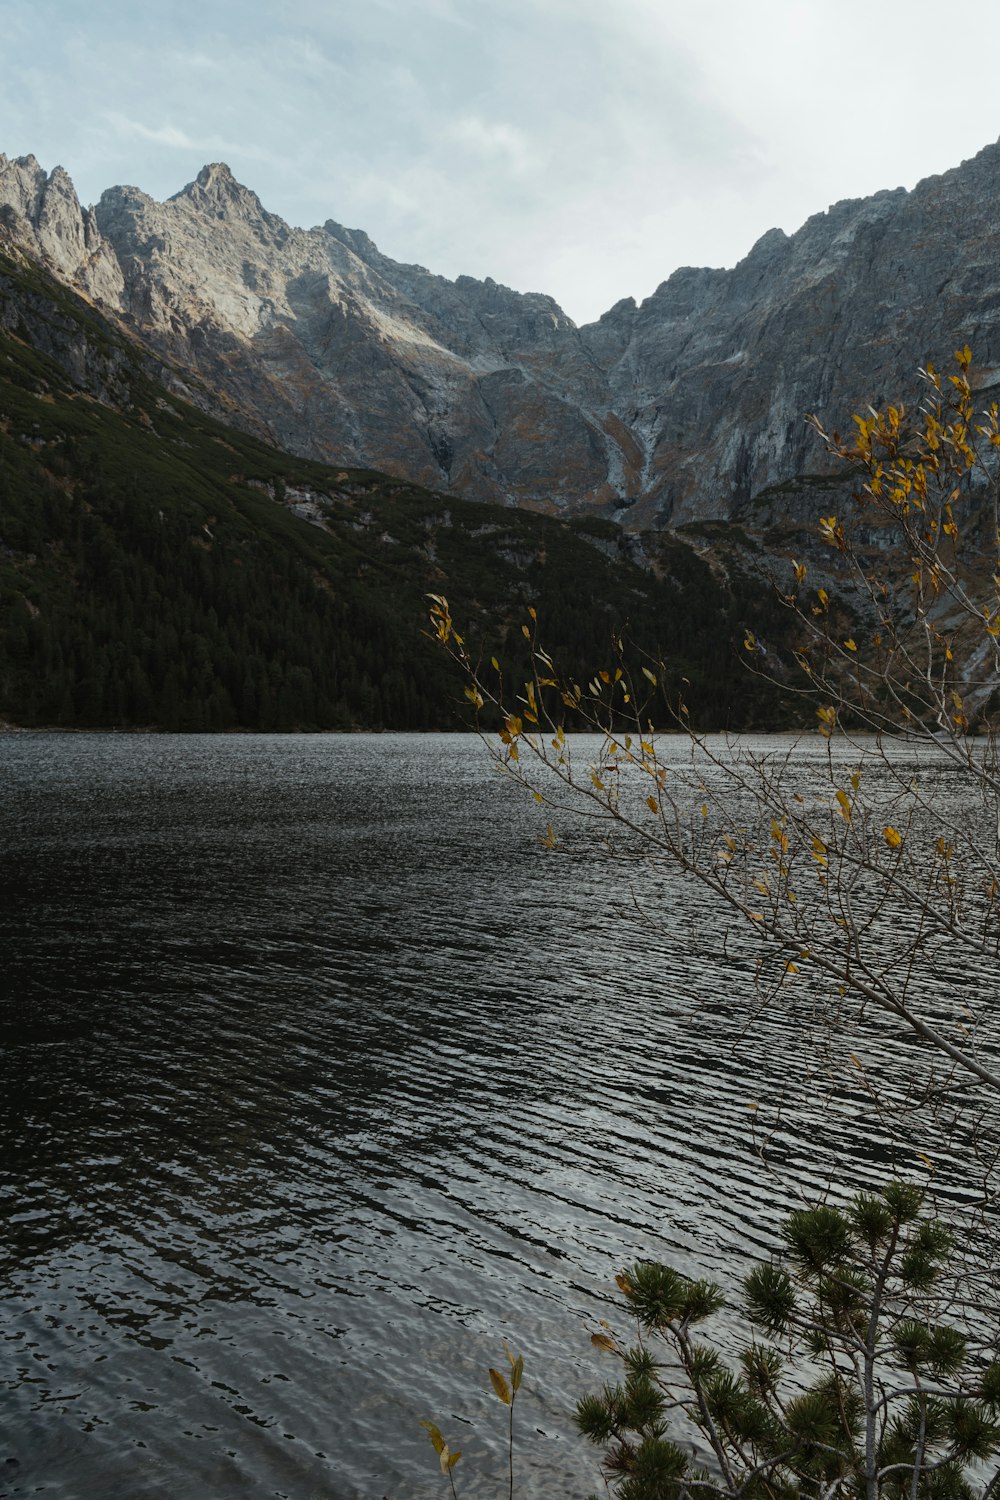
{"type": "Point", "coordinates": [161, 570]}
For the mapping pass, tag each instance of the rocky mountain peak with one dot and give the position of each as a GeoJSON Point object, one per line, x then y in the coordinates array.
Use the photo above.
{"type": "Point", "coordinates": [217, 192]}
{"type": "Point", "coordinates": [22, 185]}
{"type": "Point", "coordinates": [772, 243]}
{"type": "Point", "coordinates": [43, 215]}
{"type": "Point", "coordinates": [687, 407]}
{"type": "Point", "coordinates": [217, 174]}
{"type": "Point", "coordinates": [362, 245]}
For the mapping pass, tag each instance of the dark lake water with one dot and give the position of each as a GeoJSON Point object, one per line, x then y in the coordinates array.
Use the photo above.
{"type": "Point", "coordinates": [320, 1079]}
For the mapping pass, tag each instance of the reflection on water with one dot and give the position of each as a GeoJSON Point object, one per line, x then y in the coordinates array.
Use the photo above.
{"type": "Point", "coordinates": [320, 1078]}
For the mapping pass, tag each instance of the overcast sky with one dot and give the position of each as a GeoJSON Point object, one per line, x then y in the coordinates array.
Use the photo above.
{"type": "Point", "coordinates": [584, 148]}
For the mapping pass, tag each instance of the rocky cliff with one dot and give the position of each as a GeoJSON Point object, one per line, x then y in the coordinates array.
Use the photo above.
{"type": "Point", "coordinates": [682, 408]}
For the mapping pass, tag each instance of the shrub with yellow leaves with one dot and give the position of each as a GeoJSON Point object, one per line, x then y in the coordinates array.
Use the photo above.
{"type": "Point", "coordinates": [855, 892]}
{"type": "Point", "coordinates": [857, 883]}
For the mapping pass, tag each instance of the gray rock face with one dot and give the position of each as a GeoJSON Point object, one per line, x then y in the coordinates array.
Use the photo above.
{"type": "Point", "coordinates": [42, 213]}
{"type": "Point", "coordinates": [681, 408]}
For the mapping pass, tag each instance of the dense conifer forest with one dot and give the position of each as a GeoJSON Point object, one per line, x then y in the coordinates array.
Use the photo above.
{"type": "Point", "coordinates": [160, 570]}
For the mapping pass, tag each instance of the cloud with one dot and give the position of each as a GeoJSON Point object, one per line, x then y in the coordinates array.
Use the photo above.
{"type": "Point", "coordinates": [176, 139]}
{"type": "Point", "coordinates": [493, 140]}
{"type": "Point", "coordinates": [166, 135]}
{"type": "Point", "coordinates": [558, 145]}
{"type": "Point", "coordinates": [198, 60]}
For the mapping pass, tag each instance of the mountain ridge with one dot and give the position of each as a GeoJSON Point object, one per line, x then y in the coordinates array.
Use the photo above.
{"type": "Point", "coordinates": [679, 408]}
{"type": "Point", "coordinates": [159, 569]}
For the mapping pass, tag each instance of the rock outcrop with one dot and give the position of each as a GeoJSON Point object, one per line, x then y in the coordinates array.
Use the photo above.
{"type": "Point", "coordinates": [41, 212]}
{"type": "Point", "coordinates": [681, 408]}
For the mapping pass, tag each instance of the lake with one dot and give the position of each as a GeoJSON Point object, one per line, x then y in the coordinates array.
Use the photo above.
{"type": "Point", "coordinates": [322, 1078]}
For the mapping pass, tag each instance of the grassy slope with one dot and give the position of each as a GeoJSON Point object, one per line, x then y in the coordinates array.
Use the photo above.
{"type": "Point", "coordinates": [151, 575]}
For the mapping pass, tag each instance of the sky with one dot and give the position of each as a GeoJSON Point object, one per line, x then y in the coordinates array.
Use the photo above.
{"type": "Point", "coordinates": [584, 148]}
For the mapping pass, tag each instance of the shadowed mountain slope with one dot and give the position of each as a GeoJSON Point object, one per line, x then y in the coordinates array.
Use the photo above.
{"type": "Point", "coordinates": [158, 568]}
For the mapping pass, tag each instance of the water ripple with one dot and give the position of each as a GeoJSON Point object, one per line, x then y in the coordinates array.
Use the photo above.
{"type": "Point", "coordinates": [320, 1080]}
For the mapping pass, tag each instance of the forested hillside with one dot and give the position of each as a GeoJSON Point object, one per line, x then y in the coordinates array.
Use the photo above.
{"type": "Point", "coordinates": [158, 569]}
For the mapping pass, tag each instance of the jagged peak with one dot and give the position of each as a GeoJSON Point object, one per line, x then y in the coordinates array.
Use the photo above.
{"type": "Point", "coordinates": [623, 308]}
{"type": "Point", "coordinates": [363, 246]}
{"type": "Point", "coordinates": [216, 185]}
{"type": "Point", "coordinates": [217, 174]}
{"type": "Point", "coordinates": [61, 178]}
{"type": "Point", "coordinates": [123, 193]}
{"type": "Point", "coordinates": [873, 206]}
{"type": "Point", "coordinates": [21, 167]}
{"type": "Point", "coordinates": [40, 197]}
{"type": "Point", "coordinates": [498, 291]}
{"type": "Point", "coordinates": [772, 242]}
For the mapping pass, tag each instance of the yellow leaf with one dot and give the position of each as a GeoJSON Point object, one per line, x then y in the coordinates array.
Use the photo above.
{"type": "Point", "coordinates": [892, 836]}
{"type": "Point", "coordinates": [436, 1438]}
{"type": "Point", "coordinates": [791, 968]}
{"type": "Point", "coordinates": [855, 779]}
{"type": "Point", "coordinates": [526, 632]}
{"type": "Point", "coordinates": [516, 1366]}
{"type": "Point", "coordinates": [850, 645]}
{"type": "Point", "coordinates": [548, 839]}
{"type": "Point", "coordinates": [494, 664]}
{"type": "Point", "coordinates": [448, 1460]}
{"type": "Point", "coordinates": [651, 675]}
{"type": "Point", "coordinates": [827, 717]}
{"type": "Point", "coordinates": [624, 1284]}
{"type": "Point", "coordinates": [856, 1061]}
{"type": "Point", "coordinates": [531, 612]}
{"type": "Point", "coordinates": [500, 1386]}
{"type": "Point", "coordinates": [538, 796]}
{"type": "Point", "coordinates": [652, 804]}
{"type": "Point", "coordinates": [844, 803]}
{"type": "Point", "coordinates": [601, 1341]}
{"type": "Point", "coordinates": [926, 1161]}
{"type": "Point", "coordinates": [597, 781]}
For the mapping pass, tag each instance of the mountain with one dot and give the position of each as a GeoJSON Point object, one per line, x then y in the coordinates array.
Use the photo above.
{"type": "Point", "coordinates": [682, 409]}
{"type": "Point", "coordinates": [161, 569]}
